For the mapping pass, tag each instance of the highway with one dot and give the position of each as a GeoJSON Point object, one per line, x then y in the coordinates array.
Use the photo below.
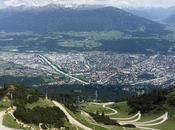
{"type": "Point", "coordinates": [58, 70]}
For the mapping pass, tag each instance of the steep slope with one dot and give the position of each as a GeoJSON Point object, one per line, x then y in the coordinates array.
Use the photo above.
{"type": "Point", "coordinates": [65, 19]}
{"type": "Point", "coordinates": [31, 108]}
{"type": "Point", "coordinates": [155, 104]}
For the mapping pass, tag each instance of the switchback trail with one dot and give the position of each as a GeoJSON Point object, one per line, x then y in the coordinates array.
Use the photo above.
{"type": "Point", "coordinates": [72, 120]}
{"type": "Point", "coordinates": [105, 105]}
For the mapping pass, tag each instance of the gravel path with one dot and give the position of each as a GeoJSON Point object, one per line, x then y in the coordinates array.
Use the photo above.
{"type": "Point", "coordinates": [131, 121]}
{"type": "Point", "coordinates": [2, 113]}
{"type": "Point", "coordinates": [134, 119]}
{"type": "Point", "coordinates": [72, 120]}
{"type": "Point", "coordinates": [154, 122]}
{"type": "Point", "coordinates": [105, 106]}
{"type": "Point", "coordinates": [129, 118]}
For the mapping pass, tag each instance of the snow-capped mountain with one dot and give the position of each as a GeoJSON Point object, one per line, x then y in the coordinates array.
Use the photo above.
{"type": "Point", "coordinates": [74, 3]}
{"type": "Point", "coordinates": [63, 3]}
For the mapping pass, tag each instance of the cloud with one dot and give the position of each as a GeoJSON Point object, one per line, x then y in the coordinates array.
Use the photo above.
{"type": "Point", "coordinates": [2, 4]}
{"type": "Point", "coordinates": [116, 3]}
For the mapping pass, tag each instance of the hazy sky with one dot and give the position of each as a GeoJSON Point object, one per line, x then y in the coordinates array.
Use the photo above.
{"type": "Point", "coordinates": [117, 3]}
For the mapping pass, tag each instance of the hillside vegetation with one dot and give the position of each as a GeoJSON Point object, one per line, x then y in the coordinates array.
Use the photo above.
{"type": "Point", "coordinates": [32, 108]}
{"type": "Point", "coordinates": [154, 101]}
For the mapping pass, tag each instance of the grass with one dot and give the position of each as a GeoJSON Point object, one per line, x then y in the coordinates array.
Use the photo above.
{"type": "Point", "coordinates": [71, 127]}
{"type": "Point", "coordinates": [123, 111]}
{"type": "Point", "coordinates": [89, 107]}
{"type": "Point", "coordinates": [90, 40]}
{"type": "Point", "coordinates": [48, 103]}
{"type": "Point", "coordinates": [82, 119]}
{"type": "Point", "coordinates": [168, 125]}
{"type": "Point", "coordinates": [122, 108]}
{"type": "Point", "coordinates": [9, 122]}
{"type": "Point", "coordinates": [90, 123]}
{"type": "Point", "coordinates": [4, 104]}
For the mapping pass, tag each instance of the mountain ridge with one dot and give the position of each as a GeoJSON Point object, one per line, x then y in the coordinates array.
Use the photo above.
{"type": "Point", "coordinates": [68, 19]}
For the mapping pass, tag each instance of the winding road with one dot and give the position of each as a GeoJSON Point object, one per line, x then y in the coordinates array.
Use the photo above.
{"type": "Point", "coordinates": [108, 104]}
{"type": "Point", "coordinates": [104, 105]}
{"type": "Point", "coordinates": [131, 121]}
{"type": "Point", "coordinates": [129, 118]}
{"type": "Point", "coordinates": [154, 122]}
{"type": "Point", "coordinates": [134, 119]}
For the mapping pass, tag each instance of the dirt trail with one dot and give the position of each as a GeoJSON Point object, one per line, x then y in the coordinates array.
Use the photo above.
{"type": "Point", "coordinates": [154, 122]}
{"type": "Point", "coordinates": [146, 128]}
{"type": "Point", "coordinates": [129, 118]}
{"type": "Point", "coordinates": [134, 119]}
{"type": "Point", "coordinates": [2, 113]}
{"type": "Point", "coordinates": [105, 106]}
{"type": "Point", "coordinates": [131, 121]}
{"type": "Point", "coordinates": [72, 120]}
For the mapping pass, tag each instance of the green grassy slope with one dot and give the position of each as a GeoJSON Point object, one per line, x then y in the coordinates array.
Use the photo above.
{"type": "Point", "coordinates": [124, 110]}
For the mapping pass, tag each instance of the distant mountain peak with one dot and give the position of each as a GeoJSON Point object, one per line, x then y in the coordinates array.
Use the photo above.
{"type": "Point", "coordinates": [54, 6]}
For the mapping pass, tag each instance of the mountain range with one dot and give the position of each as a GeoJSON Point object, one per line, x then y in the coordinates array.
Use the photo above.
{"type": "Point", "coordinates": [52, 19]}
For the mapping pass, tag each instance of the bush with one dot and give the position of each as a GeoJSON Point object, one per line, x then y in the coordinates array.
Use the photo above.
{"type": "Point", "coordinates": [47, 116]}
{"type": "Point", "coordinates": [129, 126]}
{"type": "Point", "coordinates": [22, 95]}
{"type": "Point", "coordinates": [146, 102]}
{"type": "Point", "coordinates": [103, 119]}
{"type": "Point", "coordinates": [171, 100]}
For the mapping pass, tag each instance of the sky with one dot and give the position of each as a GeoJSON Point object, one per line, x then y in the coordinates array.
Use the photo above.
{"type": "Point", "coordinates": [116, 3]}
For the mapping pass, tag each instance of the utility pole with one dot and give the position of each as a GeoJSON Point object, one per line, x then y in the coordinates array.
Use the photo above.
{"type": "Point", "coordinates": [78, 103]}
{"type": "Point", "coordinates": [11, 99]}
{"type": "Point", "coordinates": [96, 95]}
{"type": "Point", "coordinates": [3, 82]}
{"type": "Point", "coordinates": [11, 95]}
{"type": "Point", "coordinates": [46, 92]}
